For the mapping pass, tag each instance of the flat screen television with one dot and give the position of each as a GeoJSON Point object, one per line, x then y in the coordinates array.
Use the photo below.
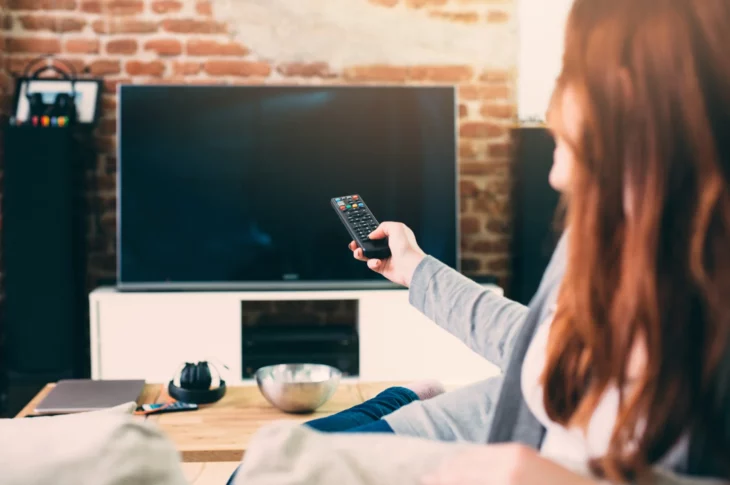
{"type": "Point", "coordinates": [229, 187]}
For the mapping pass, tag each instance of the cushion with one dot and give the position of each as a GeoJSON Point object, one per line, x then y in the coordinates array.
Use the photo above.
{"type": "Point", "coordinates": [108, 447]}
{"type": "Point", "coordinates": [291, 454]}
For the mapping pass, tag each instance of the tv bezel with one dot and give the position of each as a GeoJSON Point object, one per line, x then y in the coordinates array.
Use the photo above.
{"type": "Point", "coordinates": [283, 285]}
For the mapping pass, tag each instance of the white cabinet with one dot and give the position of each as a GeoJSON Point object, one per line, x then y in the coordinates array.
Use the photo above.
{"type": "Point", "coordinates": [149, 334]}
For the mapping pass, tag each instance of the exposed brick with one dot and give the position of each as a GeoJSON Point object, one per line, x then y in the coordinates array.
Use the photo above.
{"type": "Point", "coordinates": [6, 82]}
{"type": "Point", "coordinates": [36, 45]}
{"type": "Point", "coordinates": [492, 203]}
{"type": "Point", "coordinates": [192, 26]}
{"type": "Point", "coordinates": [483, 167]}
{"type": "Point", "coordinates": [492, 76]}
{"type": "Point", "coordinates": [499, 150]}
{"type": "Point", "coordinates": [17, 65]}
{"type": "Point", "coordinates": [383, 73]}
{"type": "Point", "coordinates": [111, 167]}
{"type": "Point", "coordinates": [141, 68]}
{"type": "Point", "coordinates": [106, 144]}
{"type": "Point", "coordinates": [164, 47]}
{"type": "Point", "coordinates": [105, 67]}
{"type": "Point", "coordinates": [470, 265]}
{"type": "Point", "coordinates": [113, 7]}
{"type": "Point", "coordinates": [52, 24]}
{"type": "Point", "coordinates": [166, 6]}
{"type": "Point", "coordinates": [82, 46]}
{"type": "Point", "coordinates": [108, 103]}
{"type": "Point", "coordinates": [109, 221]}
{"type": "Point", "coordinates": [500, 111]}
{"type": "Point", "coordinates": [497, 17]}
{"type": "Point", "coordinates": [204, 47]}
{"type": "Point", "coordinates": [300, 69]}
{"type": "Point", "coordinates": [473, 92]}
{"type": "Point", "coordinates": [384, 3]}
{"type": "Point", "coordinates": [425, 3]}
{"type": "Point", "coordinates": [460, 17]}
{"type": "Point", "coordinates": [479, 129]}
{"type": "Point", "coordinates": [463, 111]}
{"type": "Point", "coordinates": [42, 4]}
{"type": "Point", "coordinates": [163, 81]}
{"type": "Point", "coordinates": [470, 225]}
{"type": "Point", "coordinates": [211, 82]}
{"type": "Point", "coordinates": [107, 126]}
{"type": "Point", "coordinates": [237, 68]}
{"type": "Point", "coordinates": [7, 22]}
{"type": "Point", "coordinates": [186, 68]}
{"type": "Point", "coordinates": [121, 46]}
{"type": "Point", "coordinates": [446, 74]}
{"type": "Point", "coordinates": [498, 226]}
{"type": "Point", "coordinates": [499, 186]}
{"type": "Point", "coordinates": [474, 168]}
{"type": "Point", "coordinates": [490, 247]}
{"type": "Point", "coordinates": [124, 26]}
{"type": "Point", "coordinates": [498, 264]}
{"type": "Point", "coordinates": [467, 188]}
{"type": "Point", "coordinates": [467, 149]}
{"type": "Point", "coordinates": [204, 8]}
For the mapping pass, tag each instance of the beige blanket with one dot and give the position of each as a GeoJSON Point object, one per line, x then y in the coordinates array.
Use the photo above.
{"type": "Point", "coordinates": [290, 454]}
{"type": "Point", "coordinates": [107, 447]}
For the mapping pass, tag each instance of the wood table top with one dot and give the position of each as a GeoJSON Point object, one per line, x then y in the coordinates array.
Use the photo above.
{"type": "Point", "coordinates": [220, 432]}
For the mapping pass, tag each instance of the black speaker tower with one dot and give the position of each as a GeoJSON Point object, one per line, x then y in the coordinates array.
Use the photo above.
{"type": "Point", "coordinates": [44, 255]}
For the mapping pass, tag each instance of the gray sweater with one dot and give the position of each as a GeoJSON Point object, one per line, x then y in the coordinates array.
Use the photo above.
{"type": "Point", "coordinates": [497, 328]}
{"type": "Point", "coordinates": [486, 322]}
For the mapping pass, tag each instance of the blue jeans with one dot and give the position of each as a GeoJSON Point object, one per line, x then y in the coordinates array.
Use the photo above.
{"type": "Point", "coordinates": [363, 418]}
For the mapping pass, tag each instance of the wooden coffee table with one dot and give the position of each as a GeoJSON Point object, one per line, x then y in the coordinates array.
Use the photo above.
{"type": "Point", "coordinates": [220, 432]}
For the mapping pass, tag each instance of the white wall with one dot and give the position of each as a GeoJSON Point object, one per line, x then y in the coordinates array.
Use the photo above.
{"type": "Point", "coordinates": [541, 30]}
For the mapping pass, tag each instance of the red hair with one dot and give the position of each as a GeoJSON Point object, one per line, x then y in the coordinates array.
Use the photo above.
{"type": "Point", "coordinates": [652, 78]}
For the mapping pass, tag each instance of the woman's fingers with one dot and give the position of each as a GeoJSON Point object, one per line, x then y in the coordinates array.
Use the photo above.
{"type": "Point", "coordinates": [357, 253]}
{"type": "Point", "coordinates": [375, 264]}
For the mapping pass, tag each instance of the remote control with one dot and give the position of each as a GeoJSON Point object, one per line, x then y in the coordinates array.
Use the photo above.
{"type": "Point", "coordinates": [174, 407]}
{"type": "Point", "coordinates": [359, 222]}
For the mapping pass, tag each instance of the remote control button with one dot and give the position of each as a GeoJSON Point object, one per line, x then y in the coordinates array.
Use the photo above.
{"type": "Point", "coordinates": [342, 208]}
{"type": "Point", "coordinates": [355, 197]}
{"type": "Point", "coordinates": [349, 206]}
{"type": "Point", "coordinates": [340, 203]}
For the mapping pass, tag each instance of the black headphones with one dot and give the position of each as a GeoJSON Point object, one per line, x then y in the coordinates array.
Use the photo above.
{"type": "Point", "coordinates": [195, 384]}
{"type": "Point", "coordinates": [64, 104]}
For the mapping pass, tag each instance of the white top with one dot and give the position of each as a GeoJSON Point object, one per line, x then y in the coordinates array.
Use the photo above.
{"type": "Point", "coordinates": [572, 445]}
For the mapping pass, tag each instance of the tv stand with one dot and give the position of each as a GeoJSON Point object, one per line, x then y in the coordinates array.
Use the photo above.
{"type": "Point", "coordinates": [149, 334]}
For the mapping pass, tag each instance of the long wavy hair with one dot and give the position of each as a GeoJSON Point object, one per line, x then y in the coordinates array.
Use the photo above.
{"type": "Point", "coordinates": [649, 225]}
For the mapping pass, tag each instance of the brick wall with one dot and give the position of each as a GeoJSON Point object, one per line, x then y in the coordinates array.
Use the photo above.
{"type": "Point", "coordinates": [471, 43]}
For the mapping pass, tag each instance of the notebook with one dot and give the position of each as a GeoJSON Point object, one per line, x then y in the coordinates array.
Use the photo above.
{"type": "Point", "coordinates": [80, 395]}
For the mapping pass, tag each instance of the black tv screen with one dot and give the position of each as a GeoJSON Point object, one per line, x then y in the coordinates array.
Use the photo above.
{"type": "Point", "coordinates": [230, 186]}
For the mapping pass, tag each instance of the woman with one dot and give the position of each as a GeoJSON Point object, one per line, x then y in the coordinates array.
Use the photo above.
{"type": "Point", "coordinates": [622, 361]}
{"type": "Point", "coordinates": [632, 368]}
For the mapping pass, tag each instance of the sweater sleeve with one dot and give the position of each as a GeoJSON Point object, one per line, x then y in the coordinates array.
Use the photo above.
{"type": "Point", "coordinates": [481, 318]}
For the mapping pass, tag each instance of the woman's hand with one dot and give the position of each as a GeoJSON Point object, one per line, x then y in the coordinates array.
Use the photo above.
{"type": "Point", "coordinates": [508, 464]}
{"type": "Point", "coordinates": [404, 250]}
